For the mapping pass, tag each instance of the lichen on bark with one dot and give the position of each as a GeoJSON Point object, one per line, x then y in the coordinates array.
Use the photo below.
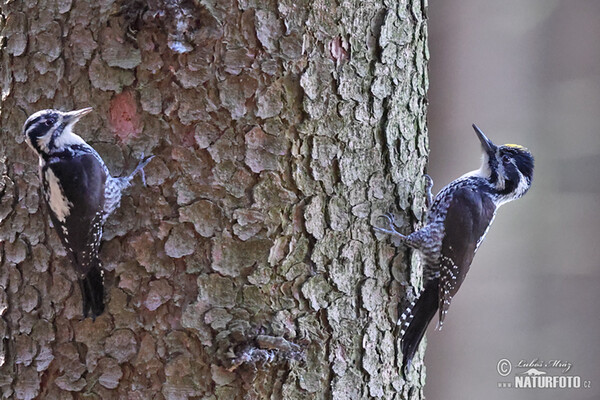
{"type": "Point", "coordinates": [248, 267]}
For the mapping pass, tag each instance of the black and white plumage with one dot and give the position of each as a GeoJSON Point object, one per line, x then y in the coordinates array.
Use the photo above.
{"type": "Point", "coordinates": [457, 221]}
{"type": "Point", "coordinates": [80, 194]}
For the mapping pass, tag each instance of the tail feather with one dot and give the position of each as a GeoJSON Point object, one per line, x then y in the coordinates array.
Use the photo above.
{"type": "Point", "coordinates": [416, 319]}
{"type": "Point", "coordinates": [92, 292]}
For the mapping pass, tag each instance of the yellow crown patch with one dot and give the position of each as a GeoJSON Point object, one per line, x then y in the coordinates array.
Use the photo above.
{"type": "Point", "coordinates": [515, 146]}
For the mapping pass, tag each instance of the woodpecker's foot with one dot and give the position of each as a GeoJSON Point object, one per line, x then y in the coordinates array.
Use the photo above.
{"type": "Point", "coordinates": [391, 222]}
{"type": "Point", "coordinates": [140, 168]}
{"type": "Point", "coordinates": [428, 194]}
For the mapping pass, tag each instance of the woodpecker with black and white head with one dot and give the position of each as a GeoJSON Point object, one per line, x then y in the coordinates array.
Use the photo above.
{"type": "Point", "coordinates": [457, 221]}
{"type": "Point", "coordinates": [80, 194]}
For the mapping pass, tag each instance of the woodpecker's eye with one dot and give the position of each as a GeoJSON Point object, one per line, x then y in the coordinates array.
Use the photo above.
{"type": "Point", "coordinates": [505, 158]}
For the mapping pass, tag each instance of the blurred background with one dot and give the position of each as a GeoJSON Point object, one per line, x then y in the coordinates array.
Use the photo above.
{"type": "Point", "coordinates": [526, 72]}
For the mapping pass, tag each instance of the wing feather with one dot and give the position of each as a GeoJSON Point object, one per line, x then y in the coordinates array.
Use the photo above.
{"type": "Point", "coordinates": [469, 215]}
{"type": "Point", "coordinates": [81, 179]}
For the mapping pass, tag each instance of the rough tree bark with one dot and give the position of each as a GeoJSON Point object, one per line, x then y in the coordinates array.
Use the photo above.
{"type": "Point", "coordinates": [248, 267]}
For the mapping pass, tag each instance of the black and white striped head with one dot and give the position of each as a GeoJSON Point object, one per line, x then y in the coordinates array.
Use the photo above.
{"type": "Point", "coordinates": [50, 131]}
{"type": "Point", "coordinates": [508, 168]}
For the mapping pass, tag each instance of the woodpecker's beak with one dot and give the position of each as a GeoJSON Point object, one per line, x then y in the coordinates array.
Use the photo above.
{"type": "Point", "coordinates": [486, 143]}
{"type": "Point", "coordinates": [73, 116]}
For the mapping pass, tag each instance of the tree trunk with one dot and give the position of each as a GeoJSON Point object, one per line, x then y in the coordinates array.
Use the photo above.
{"type": "Point", "coordinates": [248, 267]}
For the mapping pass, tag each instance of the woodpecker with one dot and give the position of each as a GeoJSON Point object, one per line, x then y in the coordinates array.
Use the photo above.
{"type": "Point", "coordinates": [457, 221]}
{"type": "Point", "coordinates": [80, 193]}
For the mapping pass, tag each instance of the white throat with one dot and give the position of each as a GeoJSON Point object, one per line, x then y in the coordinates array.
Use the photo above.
{"type": "Point", "coordinates": [65, 139]}
{"type": "Point", "coordinates": [68, 138]}
{"type": "Point", "coordinates": [483, 171]}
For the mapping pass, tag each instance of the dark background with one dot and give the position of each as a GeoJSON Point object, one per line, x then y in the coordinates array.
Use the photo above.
{"type": "Point", "coordinates": [527, 72]}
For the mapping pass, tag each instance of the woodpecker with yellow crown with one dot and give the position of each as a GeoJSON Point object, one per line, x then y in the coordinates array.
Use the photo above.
{"type": "Point", "coordinates": [457, 221]}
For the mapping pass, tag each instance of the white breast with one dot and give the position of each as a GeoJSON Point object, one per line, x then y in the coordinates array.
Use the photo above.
{"type": "Point", "coordinates": [59, 204]}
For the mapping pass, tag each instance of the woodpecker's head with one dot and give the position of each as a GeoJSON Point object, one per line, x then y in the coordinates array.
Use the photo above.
{"type": "Point", "coordinates": [50, 131]}
{"type": "Point", "coordinates": [508, 168]}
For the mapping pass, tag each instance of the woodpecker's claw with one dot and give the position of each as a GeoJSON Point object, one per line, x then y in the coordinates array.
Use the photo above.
{"type": "Point", "coordinates": [428, 186]}
{"type": "Point", "coordinates": [428, 182]}
{"type": "Point", "coordinates": [140, 168]}
{"type": "Point", "coordinates": [392, 222]}
{"type": "Point", "coordinates": [389, 232]}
